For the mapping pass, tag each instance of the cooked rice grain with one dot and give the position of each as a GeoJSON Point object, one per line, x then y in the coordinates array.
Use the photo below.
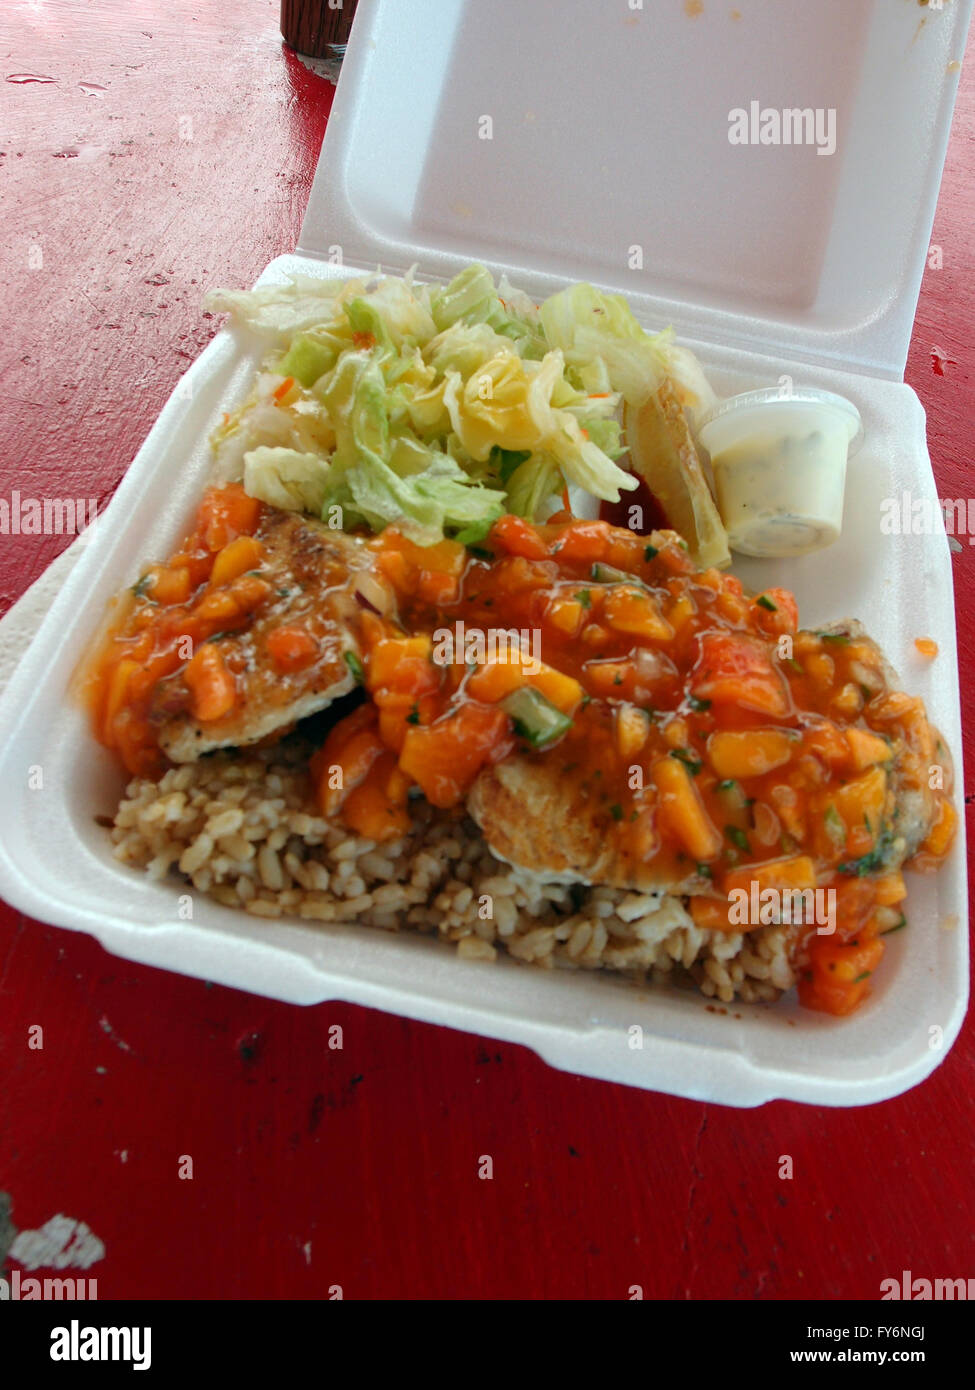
{"type": "Point", "coordinates": [243, 828]}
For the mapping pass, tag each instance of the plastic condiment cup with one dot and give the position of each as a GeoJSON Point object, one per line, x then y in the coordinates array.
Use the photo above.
{"type": "Point", "coordinates": [779, 464]}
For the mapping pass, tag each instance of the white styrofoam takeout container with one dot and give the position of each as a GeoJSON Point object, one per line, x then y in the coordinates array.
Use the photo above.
{"type": "Point", "coordinates": [609, 135]}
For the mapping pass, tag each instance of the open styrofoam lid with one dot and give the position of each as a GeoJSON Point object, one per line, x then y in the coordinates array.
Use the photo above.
{"type": "Point", "coordinates": [593, 139]}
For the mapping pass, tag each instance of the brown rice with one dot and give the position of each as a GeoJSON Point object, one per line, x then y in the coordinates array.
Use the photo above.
{"type": "Point", "coordinates": [244, 829]}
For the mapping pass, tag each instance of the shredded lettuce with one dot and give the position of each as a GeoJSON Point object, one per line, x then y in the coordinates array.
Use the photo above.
{"type": "Point", "coordinates": [606, 349]}
{"type": "Point", "coordinates": [438, 407]}
{"type": "Point", "coordinates": [285, 478]}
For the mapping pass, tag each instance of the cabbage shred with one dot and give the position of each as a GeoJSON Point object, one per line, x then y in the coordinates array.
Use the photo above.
{"type": "Point", "coordinates": [438, 408]}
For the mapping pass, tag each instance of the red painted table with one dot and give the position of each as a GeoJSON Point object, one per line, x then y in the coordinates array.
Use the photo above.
{"type": "Point", "coordinates": [173, 151]}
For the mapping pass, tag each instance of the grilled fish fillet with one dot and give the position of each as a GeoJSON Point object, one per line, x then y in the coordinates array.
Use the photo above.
{"type": "Point", "coordinates": [536, 817]}
{"type": "Point", "coordinates": [312, 569]}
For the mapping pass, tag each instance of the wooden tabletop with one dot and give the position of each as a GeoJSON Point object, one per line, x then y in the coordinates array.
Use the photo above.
{"type": "Point", "coordinates": [150, 152]}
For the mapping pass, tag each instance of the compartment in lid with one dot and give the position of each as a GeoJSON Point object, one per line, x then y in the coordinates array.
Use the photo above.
{"type": "Point", "coordinates": [591, 141]}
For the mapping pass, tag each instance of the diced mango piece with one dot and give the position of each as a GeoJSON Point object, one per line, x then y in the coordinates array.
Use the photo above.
{"type": "Point", "coordinates": [565, 614]}
{"type": "Point", "coordinates": [169, 585]}
{"type": "Point", "coordinates": [798, 872]}
{"type": "Point", "coordinates": [866, 748]}
{"type": "Point", "coordinates": [393, 657]}
{"type": "Point", "coordinates": [890, 889]}
{"type": "Point", "coordinates": [679, 806]}
{"type": "Point", "coordinates": [942, 832]}
{"type": "Point", "coordinates": [749, 752]}
{"type": "Point", "coordinates": [632, 729]}
{"type": "Point", "coordinates": [634, 611]}
{"type": "Point", "coordinates": [236, 558]}
{"type": "Point", "coordinates": [511, 669]}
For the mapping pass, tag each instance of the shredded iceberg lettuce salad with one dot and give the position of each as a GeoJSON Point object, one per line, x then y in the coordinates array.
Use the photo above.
{"type": "Point", "coordinates": [439, 408]}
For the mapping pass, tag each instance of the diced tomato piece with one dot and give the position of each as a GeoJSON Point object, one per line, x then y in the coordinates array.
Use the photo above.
{"type": "Point", "coordinates": [291, 648]}
{"type": "Point", "coordinates": [227, 512]}
{"type": "Point", "coordinates": [445, 757]}
{"type": "Point", "coordinates": [778, 613]}
{"type": "Point", "coordinates": [345, 758]}
{"type": "Point", "coordinates": [518, 537]}
{"type": "Point", "coordinates": [587, 541]}
{"type": "Point", "coordinates": [735, 669]}
{"type": "Point", "coordinates": [839, 972]}
{"type": "Point", "coordinates": [378, 807]}
{"type": "Point", "coordinates": [212, 685]}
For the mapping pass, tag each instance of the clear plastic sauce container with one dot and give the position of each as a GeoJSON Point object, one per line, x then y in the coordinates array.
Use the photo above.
{"type": "Point", "coordinates": [779, 463]}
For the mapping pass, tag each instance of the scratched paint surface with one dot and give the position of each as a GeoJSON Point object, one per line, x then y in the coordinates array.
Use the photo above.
{"type": "Point", "coordinates": [174, 151]}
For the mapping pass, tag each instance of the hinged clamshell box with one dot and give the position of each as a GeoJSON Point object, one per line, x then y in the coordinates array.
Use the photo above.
{"type": "Point", "coordinates": [623, 144]}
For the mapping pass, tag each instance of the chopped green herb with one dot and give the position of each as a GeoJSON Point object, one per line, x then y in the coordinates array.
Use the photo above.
{"type": "Point", "coordinates": [869, 863]}
{"type": "Point", "coordinates": [616, 811]}
{"type": "Point", "coordinates": [414, 715]}
{"type": "Point", "coordinates": [480, 553]}
{"type": "Point", "coordinates": [835, 826]}
{"type": "Point", "coordinates": [584, 597]}
{"type": "Point", "coordinates": [704, 870]}
{"type": "Point", "coordinates": [683, 755]}
{"type": "Point", "coordinates": [841, 638]}
{"type": "Point", "coordinates": [791, 661]}
{"type": "Point", "coordinates": [141, 589]}
{"type": "Point", "coordinates": [609, 574]}
{"type": "Point", "coordinates": [697, 704]}
{"type": "Point", "coordinates": [355, 666]}
{"type": "Point", "coordinates": [617, 679]}
{"type": "Point", "coordinates": [864, 976]}
{"type": "Point", "coordinates": [737, 837]}
{"type": "Point", "coordinates": [764, 601]}
{"type": "Point", "coordinates": [650, 552]}
{"type": "Point", "coordinates": [535, 719]}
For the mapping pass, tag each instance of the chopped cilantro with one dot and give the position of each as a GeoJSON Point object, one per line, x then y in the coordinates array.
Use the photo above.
{"type": "Point", "coordinates": [355, 666]}
{"type": "Point", "coordinates": [616, 811]}
{"type": "Point", "coordinates": [650, 552]}
{"type": "Point", "coordinates": [764, 601]}
{"type": "Point", "coordinates": [414, 715]}
{"type": "Point", "coordinates": [698, 705]}
{"type": "Point", "coordinates": [869, 863]}
{"type": "Point", "coordinates": [683, 755]}
{"type": "Point", "coordinates": [584, 597]}
{"type": "Point", "coordinates": [737, 837]}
